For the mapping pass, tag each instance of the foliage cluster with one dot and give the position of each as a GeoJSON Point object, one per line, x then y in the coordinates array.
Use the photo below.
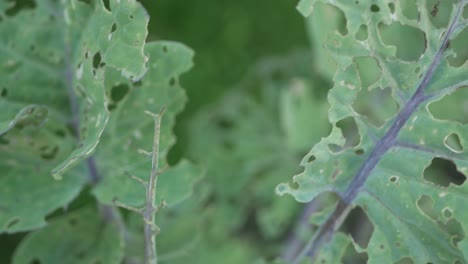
{"type": "Point", "coordinates": [376, 108]}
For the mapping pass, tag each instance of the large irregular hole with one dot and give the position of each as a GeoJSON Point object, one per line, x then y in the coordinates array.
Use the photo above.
{"type": "Point", "coordinates": [426, 205]}
{"type": "Point", "coordinates": [350, 132]}
{"type": "Point", "coordinates": [362, 33]}
{"type": "Point", "coordinates": [369, 70]}
{"type": "Point", "coordinates": [398, 35]}
{"type": "Point", "coordinates": [443, 172]}
{"type": "Point", "coordinates": [439, 11]}
{"type": "Point", "coordinates": [358, 226]}
{"type": "Point", "coordinates": [459, 46]}
{"type": "Point", "coordinates": [454, 229]}
{"type": "Point", "coordinates": [377, 105]}
{"type": "Point", "coordinates": [458, 109]}
{"type": "Point", "coordinates": [410, 9]}
{"type": "Point", "coordinates": [118, 92]}
{"type": "Point", "coordinates": [453, 143]}
{"type": "Point", "coordinates": [20, 5]}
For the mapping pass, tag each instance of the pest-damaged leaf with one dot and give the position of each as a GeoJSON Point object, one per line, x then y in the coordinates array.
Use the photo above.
{"type": "Point", "coordinates": [83, 236]}
{"type": "Point", "coordinates": [384, 173]}
{"type": "Point", "coordinates": [52, 97]}
{"type": "Point", "coordinates": [52, 64]}
{"type": "Point", "coordinates": [130, 131]}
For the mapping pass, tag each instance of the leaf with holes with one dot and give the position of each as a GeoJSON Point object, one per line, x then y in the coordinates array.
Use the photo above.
{"type": "Point", "coordinates": [44, 69]}
{"type": "Point", "coordinates": [130, 131]}
{"type": "Point", "coordinates": [387, 153]}
{"type": "Point", "coordinates": [53, 106]}
{"type": "Point", "coordinates": [83, 236]}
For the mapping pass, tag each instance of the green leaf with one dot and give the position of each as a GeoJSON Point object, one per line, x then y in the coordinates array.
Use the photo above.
{"type": "Point", "coordinates": [130, 130]}
{"type": "Point", "coordinates": [384, 172]}
{"type": "Point", "coordinates": [79, 237]}
{"type": "Point", "coordinates": [62, 68]}
{"type": "Point", "coordinates": [27, 192]}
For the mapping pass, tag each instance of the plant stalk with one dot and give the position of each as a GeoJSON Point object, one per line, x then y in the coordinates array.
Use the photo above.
{"type": "Point", "coordinates": [151, 208]}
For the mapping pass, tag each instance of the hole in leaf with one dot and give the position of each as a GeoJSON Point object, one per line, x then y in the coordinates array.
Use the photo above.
{"type": "Point", "coordinates": [406, 50]}
{"type": "Point", "coordinates": [362, 33]}
{"type": "Point", "coordinates": [165, 50]}
{"type": "Point", "coordinates": [359, 151]}
{"type": "Point", "coordinates": [118, 92]}
{"type": "Point", "coordinates": [130, 17]}
{"type": "Point", "coordinates": [311, 158]}
{"type": "Point", "coordinates": [375, 8]}
{"type": "Point", "coordinates": [369, 70]}
{"type": "Point", "coordinates": [111, 107]}
{"type": "Point", "coordinates": [405, 260]}
{"type": "Point", "coordinates": [350, 132]}
{"type": "Point", "coordinates": [20, 5]}
{"type": "Point", "coordinates": [4, 92]}
{"type": "Point", "coordinates": [137, 84]}
{"type": "Point", "coordinates": [60, 133]}
{"type": "Point", "coordinates": [442, 172]}
{"type": "Point", "coordinates": [391, 6]}
{"type": "Point", "coordinates": [439, 11]}
{"type": "Point", "coordinates": [49, 153]}
{"type": "Point", "coordinates": [458, 109]}
{"type": "Point", "coordinates": [435, 8]}
{"type": "Point", "coordinates": [12, 222]}
{"type": "Point", "coordinates": [452, 142]}
{"type": "Point", "coordinates": [172, 81]}
{"type": "Point", "coordinates": [410, 9]}
{"type": "Point", "coordinates": [351, 256]}
{"type": "Point", "coordinates": [96, 60]}
{"type": "Point", "coordinates": [224, 124]}
{"type": "Point", "coordinates": [377, 105]}
{"type": "Point", "coordinates": [447, 212]}
{"type": "Point", "coordinates": [454, 229]}
{"type": "Point", "coordinates": [35, 261]}
{"type": "Point", "coordinates": [358, 226]}
{"type": "Point", "coordinates": [114, 28]}
{"type": "Point", "coordinates": [426, 205]}
{"type": "Point", "coordinates": [106, 5]}
{"type": "Point", "coordinates": [458, 45]}
{"type": "Point", "coordinates": [393, 179]}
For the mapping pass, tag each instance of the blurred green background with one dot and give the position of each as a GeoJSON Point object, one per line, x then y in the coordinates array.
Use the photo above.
{"type": "Point", "coordinates": [228, 37]}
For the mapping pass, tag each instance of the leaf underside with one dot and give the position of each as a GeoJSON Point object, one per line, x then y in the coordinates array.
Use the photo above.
{"type": "Point", "coordinates": [384, 173]}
